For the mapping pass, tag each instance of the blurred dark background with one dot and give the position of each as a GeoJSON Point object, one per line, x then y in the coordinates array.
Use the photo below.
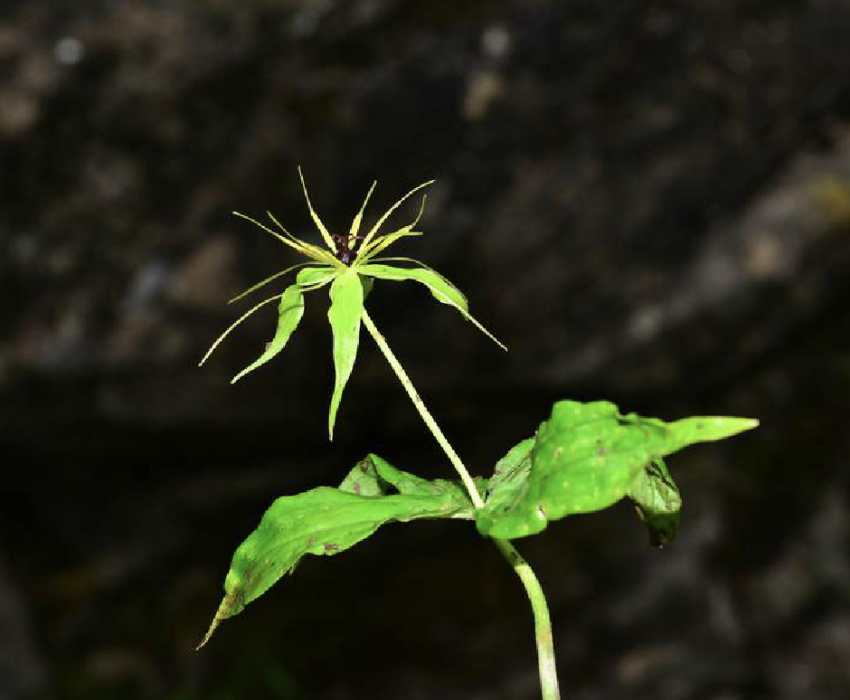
{"type": "Point", "coordinates": [649, 202]}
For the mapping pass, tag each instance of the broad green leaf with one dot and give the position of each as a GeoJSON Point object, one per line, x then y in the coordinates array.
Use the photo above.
{"type": "Point", "coordinates": [507, 485]}
{"type": "Point", "coordinates": [587, 457]}
{"type": "Point", "coordinates": [290, 311]}
{"type": "Point", "coordinates": [326, 521]}
{"type": "Point", "coordinates": [375, 476]}
{"type": "Point", "coordinates": [658, 502]}
{"type": "Point", "coordinates": [345, 313]}
{"type": "Point", "coordinates": [441, 289]}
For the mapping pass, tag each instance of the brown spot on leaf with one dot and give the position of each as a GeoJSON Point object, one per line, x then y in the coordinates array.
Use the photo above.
{"type": "Point", "coordinates": [331, 547]}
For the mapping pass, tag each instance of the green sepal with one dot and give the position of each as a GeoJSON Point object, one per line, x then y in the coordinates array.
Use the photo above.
{"type": "Point", "coordinates": [290, 311]}
{"type": "Point", "coordinates": [586, 457]}
{"type": "Point", "coordinates": [441, 289]}
{"type": "Point", "coordinates": [326, 521]}
{"type": "Point", "coordinates": [315, 277]}
{"type": "Point", "coordinates": [658, 502]}
{"type": "Point", "coordinates": [344, 314]}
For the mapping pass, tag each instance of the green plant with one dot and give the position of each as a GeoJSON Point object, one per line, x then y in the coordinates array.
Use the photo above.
{"type": "Point", "coordinates": [584, 458]}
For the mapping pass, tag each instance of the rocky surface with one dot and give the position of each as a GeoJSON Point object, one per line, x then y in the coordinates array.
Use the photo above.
{"type": "Point", "coordinates": [649, 202]}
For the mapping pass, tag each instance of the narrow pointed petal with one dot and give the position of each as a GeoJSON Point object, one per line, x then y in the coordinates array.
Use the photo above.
{"type": "Point", "coordinates": [378, 245]}
{"type": "Point", "coordinates": [355, 224]}
{"type": "Point", "coordinates": [344, 314]}
{"type": "Point", "coordinates": [264, 282]}
{"type": "Point", "coordinates": [327, 236]}
{"type": "Point", "coordinates": [419, 213]}
{"type": "Point", "coordinates": [308, 249]}
{"type": "Point", "coordinates": [389, 211]}
{"type": "Point", "coordinates": [289, 240]}
{"type": "Point", "coordinates": [236, 323]}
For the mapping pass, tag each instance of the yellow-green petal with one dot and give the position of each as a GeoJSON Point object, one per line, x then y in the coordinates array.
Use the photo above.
{"type": "Point", "coordinates": [327, 236]}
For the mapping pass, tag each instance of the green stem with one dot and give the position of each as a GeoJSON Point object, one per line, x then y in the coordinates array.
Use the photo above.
{"type": "Point", "coordinates": [423, 411]}
{"type": "Point", "coordinates": [542, 622]}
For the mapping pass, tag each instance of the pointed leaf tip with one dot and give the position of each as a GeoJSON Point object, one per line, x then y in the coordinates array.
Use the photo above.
{"type": "Point", "coordinates": [220, 615]}
{"type": "Point", "coordinates": [709, 428]}
{"type": "Point", "coordinates": [587, 457]}
{"type": "Point", "coordinates": [328, 521]}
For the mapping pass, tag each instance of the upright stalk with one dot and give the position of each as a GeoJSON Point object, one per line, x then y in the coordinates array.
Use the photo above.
{"type": "Point", "coordinates": [542, 622]}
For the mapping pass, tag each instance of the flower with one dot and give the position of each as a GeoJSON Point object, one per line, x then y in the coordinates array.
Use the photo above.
{"type": "Point", "coordinates": [349, 265]}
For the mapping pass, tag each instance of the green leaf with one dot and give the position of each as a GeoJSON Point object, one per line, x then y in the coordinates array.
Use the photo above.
{"type": "Point", "coordinates": [327, 521]}
{"type": "Point", "coordinates": [344, 314]}
{"type": "Point", "coordinates": [441, 289]}
{"type": "Point", "coordinates": [507, 485]}
{"type": "Point", "coordinates": [658, 502]}
{"type": "Point", "coordinates": [586, 457]}
{"type": "Point", "coordinates": [385, 475]}
{"type": "Point", "coordinates": [290, 311]}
